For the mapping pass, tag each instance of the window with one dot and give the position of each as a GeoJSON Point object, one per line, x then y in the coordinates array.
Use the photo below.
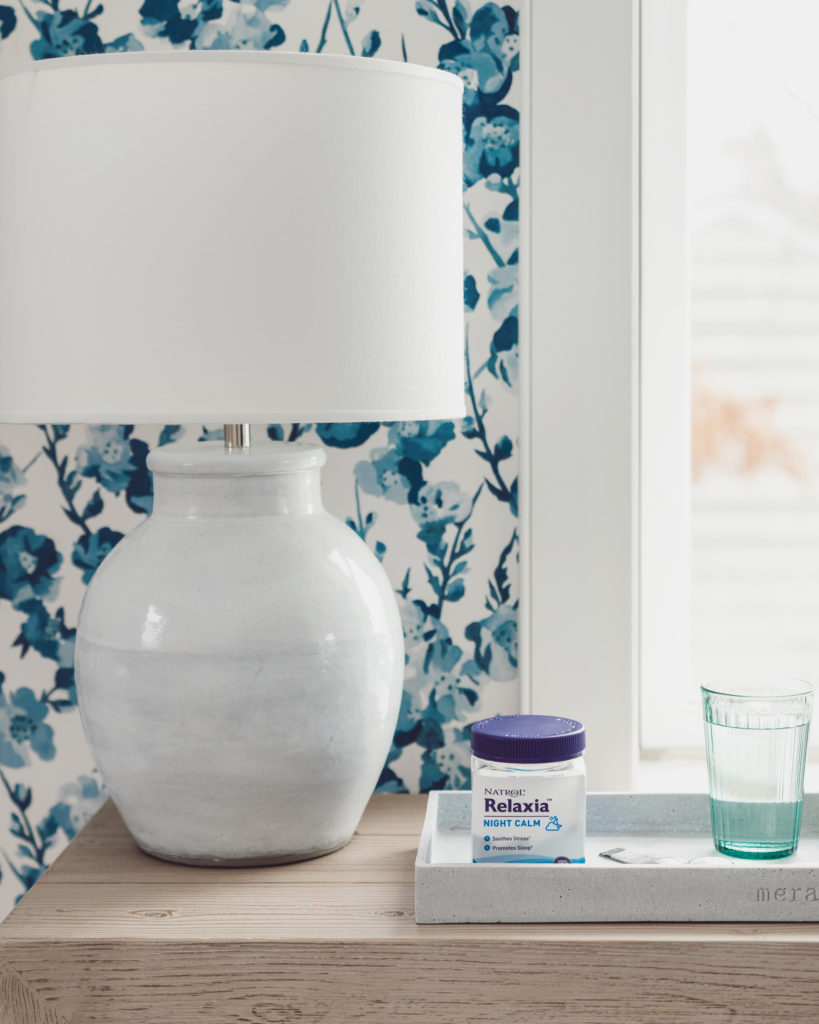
{"type": "Point", "coordinates": [673, 297]}
{"type": "Point", "coordinates": [749, 571]}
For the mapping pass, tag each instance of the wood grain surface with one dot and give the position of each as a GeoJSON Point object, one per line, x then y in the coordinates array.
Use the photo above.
{"type": "Point", "coordinates": [112, 935]}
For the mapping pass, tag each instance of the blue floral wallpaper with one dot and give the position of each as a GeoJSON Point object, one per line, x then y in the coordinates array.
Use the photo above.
{"type": "Point", "coordinates": [436, 501]}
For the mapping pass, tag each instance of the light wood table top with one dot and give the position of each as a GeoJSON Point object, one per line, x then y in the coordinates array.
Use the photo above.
{"type": "Point", "coordinates": [111, 935]}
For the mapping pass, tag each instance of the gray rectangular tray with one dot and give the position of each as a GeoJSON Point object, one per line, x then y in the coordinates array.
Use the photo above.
{"type": "Point", "coordinates": [449, 888]}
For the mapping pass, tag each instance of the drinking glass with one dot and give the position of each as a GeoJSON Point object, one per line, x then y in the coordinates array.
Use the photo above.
{"type": "Point", "coordinates": [756, 738]}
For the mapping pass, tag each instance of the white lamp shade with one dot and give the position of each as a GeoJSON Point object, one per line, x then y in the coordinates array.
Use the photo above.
{"type": "Point", "coordinates": [230, 237]}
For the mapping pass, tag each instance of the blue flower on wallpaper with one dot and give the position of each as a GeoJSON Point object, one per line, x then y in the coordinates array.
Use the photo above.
{"type": "Point", "coordinates": [389, 475]}
{"type": "Point", "coordinates": [241, 27]}
{"type": "Point", "coordinates": [503, 305]}
{"type": "Point", "coordinates": [396, 472]}
{"type": "Point", "coordinates": [492, 145]}
{"type": "Point", "coordinates": [420, 629]}
{"type": "Point", "coordinates": [90, 550]}
{"type": "Point", "coordinates": [471, 295]}
{"type": "Point", "coordinates": [408, 725]}
{"type": "Point", "coordinates": [124, 44]}
{"type": "Point", "coordinates": [496, 644]}
{"type": "Point", "coordinates": [78, 802]}
{"type": "Point", "coordinates": [503, 352]}
{"type": "Point", "coordinates": [451, 695]}
{"type": "Point", "coordinates": [421, 632]}
{"type": "Point", "coordinates": [23, 728]}
{"type": "Point", "coordinates": [511, 212]}
{"type": "Point", "coordinates": [11, 478]}
{"type": "Point", "coordinates": [65, 683]}
{"type": "Point", "coordinates": [28, 561]}
{"type": "Point", "coordinates": [28, 874]}
{"type": "Point", "coordinates": [484, 60]}
{"type": "Point", "coordinates": [108, 457]}
{"type": "Point", "coordinates": [345, 435]}
{"type": "Point", "coordinates": [215, 24]}
{"type": "Point", "coordinates": [503, 291]}
{"type": "Point", "coordinates": [8, 20]}
{"type": "Point", "coordinates": [412, 729]}
{"type": "Point", "coordinates": [441, 504]}
{"type": "Point", "coordinates": [448, 765]}
{"type": "Point", "coordinates": [117, 461]}
{"type": "Point", "coordinates": [65, 33]}
{"type": "Point", "coordinates": [421, 442]}
{"type": "Point", "coordinates": [437, 693]}
{"type": "Point", "coordinates": [436, 507]}
{"type": "Point", "coordinates": [493, 29]}
{"type": "Point", "coordinates": [10, 475]}
{"type": "Point", "coordinates": [212, 434]}
{"type": "Point", "coordinates": [170, 433]}
{"type": "Point", "coordinates": [178, 20]}
{"type": "Point", "coordinates": [47, 634]}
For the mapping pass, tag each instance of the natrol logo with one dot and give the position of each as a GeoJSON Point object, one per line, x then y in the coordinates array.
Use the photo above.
{"type": "Point", "coordinates": [504, 792]}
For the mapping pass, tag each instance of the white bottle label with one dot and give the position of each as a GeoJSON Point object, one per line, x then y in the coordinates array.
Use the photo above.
{"type": "Point", "coordinates": [541, 820]}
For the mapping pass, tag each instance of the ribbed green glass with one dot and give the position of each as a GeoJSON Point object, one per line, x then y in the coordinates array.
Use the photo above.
{"type": "Point", "coordinates": [756, 738]}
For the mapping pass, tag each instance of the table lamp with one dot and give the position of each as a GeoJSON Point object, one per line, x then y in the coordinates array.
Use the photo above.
{"type": "Point", "coordinates": [235, 237]}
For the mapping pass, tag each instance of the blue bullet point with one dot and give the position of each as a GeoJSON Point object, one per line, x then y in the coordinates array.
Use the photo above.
{"type": "Point", "coordinates": [486, 839]}
{"type": "Point", "coordinates": [487, 847]}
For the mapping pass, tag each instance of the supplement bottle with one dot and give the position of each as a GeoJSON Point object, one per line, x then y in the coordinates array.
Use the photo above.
{"type": "Point", "coordinates": [528, 790]}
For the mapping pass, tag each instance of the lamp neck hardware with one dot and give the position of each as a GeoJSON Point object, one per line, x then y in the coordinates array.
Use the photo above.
{"type": "Point", "coordinates": [237, 437]}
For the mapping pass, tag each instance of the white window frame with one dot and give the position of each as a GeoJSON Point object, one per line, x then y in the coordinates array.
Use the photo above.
{"type": "Point", "coordinates": [581, 358]}
{"type": "Point", "coordinates": [670, 720]}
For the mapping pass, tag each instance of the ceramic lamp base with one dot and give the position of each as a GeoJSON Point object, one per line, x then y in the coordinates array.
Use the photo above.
{"type": "Point", "coordinates": [242, 862]}
{"type": "Point", "coordinates": [240, 662]}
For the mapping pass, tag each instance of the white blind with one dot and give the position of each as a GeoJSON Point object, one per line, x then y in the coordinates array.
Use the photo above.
{"type": "Point", "coordinates": [755, 499]}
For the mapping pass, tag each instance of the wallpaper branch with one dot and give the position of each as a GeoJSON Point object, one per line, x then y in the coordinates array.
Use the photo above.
{"type": "Point", "coordinates": [436, 501]}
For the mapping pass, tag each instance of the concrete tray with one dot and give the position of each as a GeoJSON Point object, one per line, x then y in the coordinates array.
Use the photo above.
{"type": "Point", "coordinates": [449, 888]}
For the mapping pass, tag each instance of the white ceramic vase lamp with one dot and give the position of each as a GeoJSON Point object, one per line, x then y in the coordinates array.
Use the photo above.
{"type": "Point", "coordinates": [205, 237]}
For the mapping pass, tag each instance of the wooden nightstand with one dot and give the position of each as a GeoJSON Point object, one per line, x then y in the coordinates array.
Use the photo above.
{"type": "Point", "coordinates": [111, 935]}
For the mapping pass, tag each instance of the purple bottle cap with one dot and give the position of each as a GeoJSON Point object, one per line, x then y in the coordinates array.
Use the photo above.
{"type": "Point", "coordinates": [528, 739]}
